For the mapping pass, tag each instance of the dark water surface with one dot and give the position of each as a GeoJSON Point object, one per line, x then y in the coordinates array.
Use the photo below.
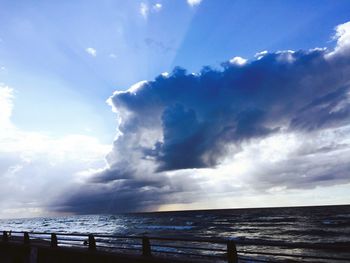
{"type": "Point", "coordinates": [314, 225]}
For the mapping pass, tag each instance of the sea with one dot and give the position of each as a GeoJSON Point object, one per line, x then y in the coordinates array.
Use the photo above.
{"type": "Point", "coordinates": [318, 225]}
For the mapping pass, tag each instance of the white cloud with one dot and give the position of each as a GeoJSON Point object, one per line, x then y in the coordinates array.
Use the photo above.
{"type": "Point", "coordinates": [194, 2]}
{"type": "Point", "coordinates": [144, 9]}
{"type": "Point", "coordinates": [165, 74]}
{"type": "Point", "coordinates": [343, 35]}
{"type": "Point", "coordinates": [292, 160]}
{"type": "Point", "coordinates": [261, 54]}
{"type": "Point", "coordinates": [157, 7]}
{"type": "Point", "coordinates": [112, 55]}
{"type": "Point", "coordinates": [91, 51]}
{"type": "Point", "coordinates": [34, 165]}
{"type": "Point", "coordinates": [238, 61]}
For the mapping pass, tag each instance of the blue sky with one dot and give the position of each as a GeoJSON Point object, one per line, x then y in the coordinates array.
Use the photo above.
{"type": "Point", "coordinates": [61, 62]}
{"type": "Point", "coordinates": [43, 49]}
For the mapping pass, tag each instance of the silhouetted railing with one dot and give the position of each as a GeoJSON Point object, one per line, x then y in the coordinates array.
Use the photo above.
{"type": "Point", "coordinates": [212, 249]}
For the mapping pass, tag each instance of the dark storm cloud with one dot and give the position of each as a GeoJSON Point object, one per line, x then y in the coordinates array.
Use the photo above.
{"type": "Point", "coordinates": [307, 170]}
{"type": "Point", "coordinates": [108, 175]}
{"type": "Point", "coordinates": [331, 109]}
{"type": "Point", "coordinates": [181, 120]}
{"type": "Point", "coordinates": [121, 196]}
{"type": "Point", "coordinates": [200, 114]}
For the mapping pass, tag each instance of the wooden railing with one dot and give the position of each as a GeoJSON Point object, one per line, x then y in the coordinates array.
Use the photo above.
{"type": "Point", "coordinates": [212, 249]}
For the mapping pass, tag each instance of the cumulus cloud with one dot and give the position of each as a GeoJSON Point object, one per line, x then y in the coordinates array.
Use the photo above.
{"type": "Point", "coordinates": [197, 115]}
{"type": "Point", "coordinates": [273, 123]}
{"type": "Point", "coordinates": [343, 38]}
{"type": "Point", "coordinates": [91, 51]}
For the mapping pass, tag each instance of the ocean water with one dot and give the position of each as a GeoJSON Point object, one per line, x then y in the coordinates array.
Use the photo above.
{"type": "Point", "coordinates": [312, 225]}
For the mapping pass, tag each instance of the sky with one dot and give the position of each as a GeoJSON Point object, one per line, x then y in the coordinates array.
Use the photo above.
{"type": "Point", "coordinates": [126, 106]}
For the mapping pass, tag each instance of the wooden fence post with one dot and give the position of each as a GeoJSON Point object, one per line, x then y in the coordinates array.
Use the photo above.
{"type": "Point", "coordinates": [232, 256]}
{"type": "Point", "coordinates": [92, 242]}
{"type": "Point", "coordinates": [5, 236]}
{"type": "Point", "coordinates": [53, 240]}
{"type": "Point", "coordinates": [146, 247]}
{"type": "Point", "coordinates": [26, 238]}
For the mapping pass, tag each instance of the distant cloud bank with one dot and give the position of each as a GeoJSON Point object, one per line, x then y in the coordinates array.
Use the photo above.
{"type": "Point", "coordinates": [36, 168]}
{"type": "Point", "coordinates": [276, 122]}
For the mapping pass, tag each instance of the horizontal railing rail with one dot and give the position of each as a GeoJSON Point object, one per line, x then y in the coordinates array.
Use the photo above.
{"type": "Point", "coordinates": [210, 248]}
